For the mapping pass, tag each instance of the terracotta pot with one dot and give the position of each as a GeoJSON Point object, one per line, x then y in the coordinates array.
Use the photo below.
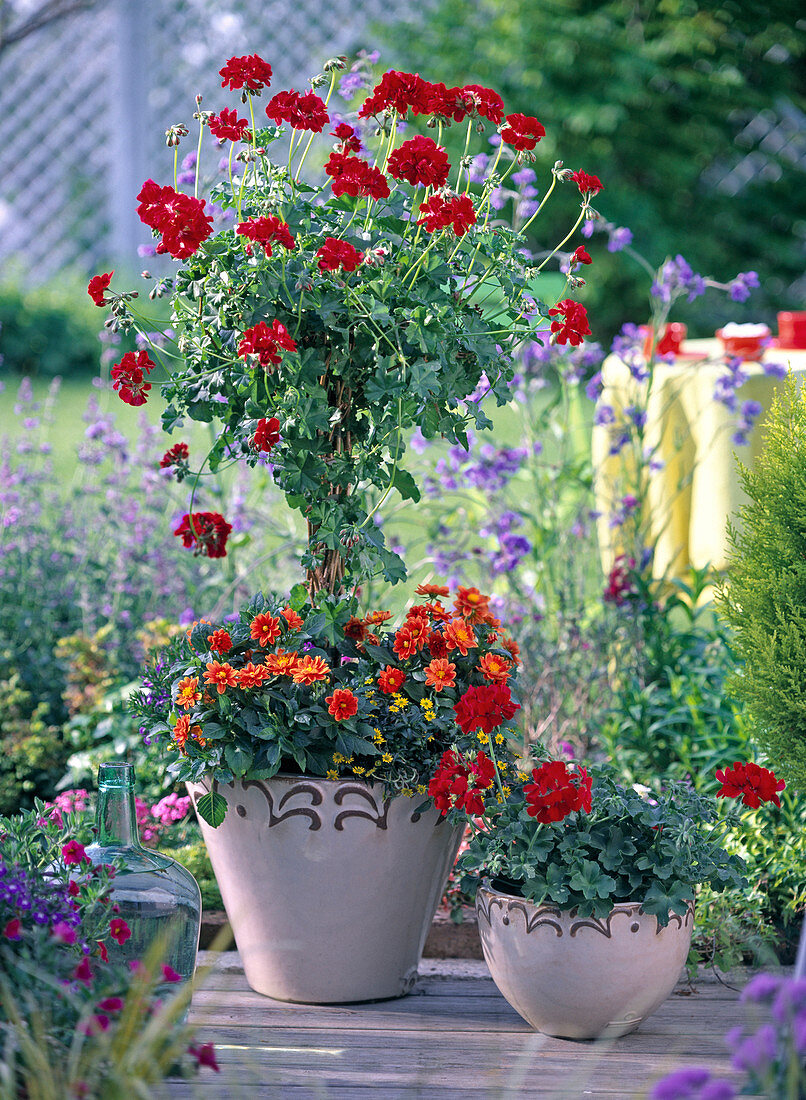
{"type": "Point", "coordinates": [330, 888]}
{"type": "Point", "coordinates": [581, 977]}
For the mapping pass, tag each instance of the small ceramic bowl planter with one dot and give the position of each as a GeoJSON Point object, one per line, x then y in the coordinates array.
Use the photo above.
{"type": "Point", "coordinates": [330, 888]}
{"type": "Point", "coordinates": [581, 977]}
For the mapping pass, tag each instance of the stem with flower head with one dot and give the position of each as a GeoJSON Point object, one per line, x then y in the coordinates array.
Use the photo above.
{"type": "Point", "coordinates": [176, 167]}
{"type": "Point", "coordinates": [543, 202]}
{"type": "Point", "coordinates": [464, 154]}
{"type": "Point", "coordinates": [565, 239]}
{"type": "Point", "coordinates": [198, 158]}
{"type": "Point", "coordinates": [313, 132]}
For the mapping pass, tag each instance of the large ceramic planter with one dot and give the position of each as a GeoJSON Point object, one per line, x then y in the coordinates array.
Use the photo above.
{"type": "Point", "coordinates": [581, 977]}
{"type": "Point", "coordinates": [329, 887]}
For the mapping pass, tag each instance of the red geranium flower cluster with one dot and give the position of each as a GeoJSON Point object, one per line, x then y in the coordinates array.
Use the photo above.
{"type": "Point", "coordinates": [265, 230]}
{"type": "Point", "coordinates": [587, 184]}
{"type": "Point", "coordinates": [404, 92]}
{"type": "Point", "coordinates": [349, 141]}
{"type": "Point", "coordinates": [353, 176]}
{"type": "Point", "coordinates": [750, 782]}
{"type": "Point", "coordinates": [486, 708]}
{"type": "Point", "coordinates": [265, 342]}
{"type": "Point", "coordinates": [574, 325]}
{"type": "Point", "coordinates": [335, 254]}
{"type": "Point", "coordinates": [251, 71]}
{"type": "Point", "coordinates": [441, 211]}
{"type": "Point", "coordinates": [579, 256]}
{"type": "Point", "coordinates": [227, 125]}
{"type": "Point", "coordinates": [398, 92]}
{"type": "Point", "coordinates": [179, 218]}
{"type": "Point", "coordinates": [267, 434]}
{"type": "Point", "coordinates": [522, 132]}
{"type": "Point", "coordinates": [302, 112]}
{"type": "Point", "coordinates": [97, 287]}
{"type": "Point", "coordinates": [420, 160]}
{"type": "Point", "coordinates": [207, 532]}
{"type": "Point", "coordinates": [556, 791]}
{"type": "Point", "coordinates": [128, 377]}
{"type": "Point", "coordinates": [457, 783]}
{"type": "Point", "coordinates": [175, 456]}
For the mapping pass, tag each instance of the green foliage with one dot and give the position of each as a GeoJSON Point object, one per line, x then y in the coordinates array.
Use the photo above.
{"type": "Point", "coordinates": [34, 753]}
{"type": "Point", "coordinates": [49, 330]}
{"type": "Point", "coordinates": [653, 98]}
{"type": "Point", "coordinates": [764, 597]}
{"type": "Point", "coordinates": [628, 848]}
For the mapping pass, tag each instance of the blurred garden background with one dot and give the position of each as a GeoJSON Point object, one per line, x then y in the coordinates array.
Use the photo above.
{"type": "Point", "coordinates": [692, 114]}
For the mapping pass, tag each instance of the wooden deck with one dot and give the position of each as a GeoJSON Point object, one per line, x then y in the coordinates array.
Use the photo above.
{"type": "Point", "coordinates": [454, 1036]}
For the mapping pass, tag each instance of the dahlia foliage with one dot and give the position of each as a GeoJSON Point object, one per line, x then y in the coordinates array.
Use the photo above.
{"type": "Point", "coordinates": [319, 324]}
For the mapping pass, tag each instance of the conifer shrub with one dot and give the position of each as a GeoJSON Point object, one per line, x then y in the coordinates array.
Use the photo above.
{"type": "Point", "coordinates": [764, 595]}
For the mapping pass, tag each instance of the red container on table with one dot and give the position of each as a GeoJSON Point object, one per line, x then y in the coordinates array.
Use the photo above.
{"type": "Point", "coordinates": [791, 329]}
{"type": "Point", "coordinates": [748, 348]}
{"type": "Point", "coordinates": [673, 336]}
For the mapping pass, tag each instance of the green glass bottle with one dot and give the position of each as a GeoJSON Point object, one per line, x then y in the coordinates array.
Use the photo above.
{"type": "Point", "coordinates": [155, 895]}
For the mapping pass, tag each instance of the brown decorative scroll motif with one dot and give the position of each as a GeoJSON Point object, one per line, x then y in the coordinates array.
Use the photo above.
{"type": "Point", "coordinates": [537, 916]}
{"type": "Point", "coordinates": [380, 818]}
{"type": "Point", "coordinates": [681, 922]}
{"type": "Point", "coordinates": [297, 811]}
{"type": "Point", "coordinates": [533, 917]}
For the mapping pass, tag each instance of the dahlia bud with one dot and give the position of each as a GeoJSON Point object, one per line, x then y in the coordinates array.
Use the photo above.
{"type": "Point", "coordinates": [337, 64]}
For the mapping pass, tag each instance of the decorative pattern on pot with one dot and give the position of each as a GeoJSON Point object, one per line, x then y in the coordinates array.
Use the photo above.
{"type": "Point", "coordinates": [330, 888]}
{"type": "Point", "coordinates": [581, 977]}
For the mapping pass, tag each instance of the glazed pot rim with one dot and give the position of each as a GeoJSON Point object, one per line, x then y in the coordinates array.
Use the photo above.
{"type": "Point", "coordinates": [555, 909]}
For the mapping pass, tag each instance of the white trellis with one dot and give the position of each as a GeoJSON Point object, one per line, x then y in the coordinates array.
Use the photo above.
{"type": "Point", "coordinates": [85, 102]}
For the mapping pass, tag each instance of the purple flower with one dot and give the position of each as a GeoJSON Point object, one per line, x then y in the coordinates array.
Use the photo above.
{"type": "Point", "coordinates": [594, 387]}
{"type": "Point", "coordinates": [775, 370]}
{"type": "Point", "coordinates": [753, 1053]}
{"type": "Point", "coordinates": [604, 415]}
{"type": "Point", "coordinates": [676, 279]}
{"type": "Point", "coordinates": [761, 989]}
{"type": "Point", "coordinates": [692, 1083]}
{"type": "Point", "coordinates": [352, 83]}
{"type": "Point", "coordinates": [791, 998]}
{"type": "Point", "coordinates": [618, 239]}
{"type": "Point", "coordinates": [478, 167]}
{"type": "Point", "coordinates": [740, 287]}
{"type": "Point", "coordinates": [587, 229]}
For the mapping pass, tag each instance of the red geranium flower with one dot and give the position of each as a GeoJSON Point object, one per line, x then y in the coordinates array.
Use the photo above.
{"type": "Point", "coordinates": [420, 160]}
{"type": "Point", "coordinates": [580, 256]}
{"type": "Point", "coordinates": [250, 71]}
{"type": "Point", "coordinates": [97, 286]}
{"type": "Point", "coordinates": [119, 930]}
{"type": "Point", "coordinates": [485, 708]}
{"type": "Point", "coordinates": [397, 92]}
{"type": "Point", "coordinates": [484, 102]}
{"type": "Point", "coordinates": [265, 342]}
{"type": "Point", "coordinates": [335, 254]}
{"type": "Point", "coordinates": [129, 377]}
{"type": "Point", "coordinates": [458, 782]}
{"type": "Point", "coordinates": [522, 132]}
{"type": "Point", "coordinates": [342, 704]}
{"type": "Point", "coordinates": [439, 212]}
{"type": "Point", "coordinates": [302, 112]}
{"type": "Point", "coordinates": [179, 218]}
{"type": "Point", "coordinates": [175, 456]}
{"type": "Point", "coordinates": [448, 104]}
{"type": "Point", "coordinates": [220, 641]}
{"type": "Point", "coordinates": [349, 141]}
{"type": "Point", "coordinates": [556, 791]}
{"type": "Point", "coordinates": [207, 532]}
{"type": "Point", "coordinates": [227, 125]}
{"type": "Point", "coordinates": [267, 434]}
{"type": "Point", "coordinates": [353, 176]}
{"type": "Point", "coordinates": [587, 184]}
{"type": "Point", "coordinates": [265, 230]}
{"type": "Point", "coordinates": [750, 782]}
{"type": "Point", "coordinates": [574, 325]}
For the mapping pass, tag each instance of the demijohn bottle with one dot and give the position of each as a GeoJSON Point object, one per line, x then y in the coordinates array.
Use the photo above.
{"type": "Point", "coordinates": [155, 895]}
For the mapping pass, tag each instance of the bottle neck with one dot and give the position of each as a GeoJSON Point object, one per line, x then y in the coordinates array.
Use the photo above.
{"type": "Point", "coordinates": [116, 814]}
